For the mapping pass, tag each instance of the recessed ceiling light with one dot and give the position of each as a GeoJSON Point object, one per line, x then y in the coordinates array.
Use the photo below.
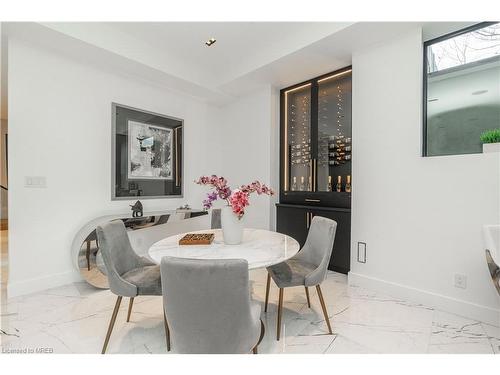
{"type": "Point", "coordinates": [479, 92]}
{"type": "Point", "coordinates": [210, 42]}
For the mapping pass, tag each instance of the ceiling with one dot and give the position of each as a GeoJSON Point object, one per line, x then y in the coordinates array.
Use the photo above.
{"type": "Point", "coordinates": [241, 47]}
{"type": "Point", "coordinates": [471, 86]}
{"type": "Point", "coordinates": [246, 55]}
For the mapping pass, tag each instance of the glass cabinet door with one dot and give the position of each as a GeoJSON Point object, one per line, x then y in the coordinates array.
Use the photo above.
{"type": "Point", "coordinates": [333, 169]}
{"type": "Point", "coordinates": [297, 138]}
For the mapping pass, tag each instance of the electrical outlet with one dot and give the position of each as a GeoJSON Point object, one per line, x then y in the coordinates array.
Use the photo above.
{"type": "Point", "coordinates": [361, 252]}
{"type": "Point", "coordinates": [460, 281]}
{"type": "Point", "coordinates": [35, 182]}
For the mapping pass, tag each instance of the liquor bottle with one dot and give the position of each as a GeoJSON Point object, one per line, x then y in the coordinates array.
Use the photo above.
{"type": "Point", "coordinates": [337, 153]}
{"type": "Point", "coordinates": [301, 186]}
{"type": "Point", "coordinates": [347, 157]}
{"type": "Point", "coordinates": [348, 184]}
{"type": "Point", "coordinates": [347, 148]}
{"type": "Point", "coordinates": [339, 184]}
{"type": "Point", "coordinates": [329, 186]}
{"type": "Point", "coordinates": [294, 184]}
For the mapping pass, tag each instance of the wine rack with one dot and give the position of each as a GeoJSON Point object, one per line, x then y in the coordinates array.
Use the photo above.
{"type": "Point", "coordinates": [316, 141]}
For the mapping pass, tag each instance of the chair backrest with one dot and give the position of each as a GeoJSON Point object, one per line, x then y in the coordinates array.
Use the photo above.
{"type": "Point", "coordinates": [215, 222]}
{"type": "Point", "coordinates": [117, 253]}
{"type": "Point", "coordinates": [208, 306]}
{"type": "Point", "coordinates": [317, 249]}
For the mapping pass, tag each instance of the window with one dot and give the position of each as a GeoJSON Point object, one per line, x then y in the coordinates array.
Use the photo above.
{"type": "Point", "coordinates": [461, 89]}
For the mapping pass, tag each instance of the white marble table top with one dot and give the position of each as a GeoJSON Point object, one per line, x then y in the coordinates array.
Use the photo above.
{"type": "Point", "coordinates": [261, 248]}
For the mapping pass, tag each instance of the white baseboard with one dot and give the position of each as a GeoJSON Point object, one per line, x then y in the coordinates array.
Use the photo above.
{"type": "Point", "coordinates": [20, 288]}
{"type": "Point", "coordinates": [438, 301]}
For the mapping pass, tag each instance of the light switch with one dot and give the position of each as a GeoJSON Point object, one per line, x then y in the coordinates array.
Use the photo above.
{"type": "Point", "coordinates": [35, 182]}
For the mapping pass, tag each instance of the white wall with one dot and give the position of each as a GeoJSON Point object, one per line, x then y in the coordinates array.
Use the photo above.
{"type": "Point", "coordinates": [3, 130]}
{"type": "Point", "coordinates": [59, 127]}
{"type": "Point", "coordinates": [420, 217]}
{"type": "Point", "coordinates": [3, 169]}
{"type": "Point", "coordinates": [247, 149]}
{"type": "Point", "coordinates": [3, 154]}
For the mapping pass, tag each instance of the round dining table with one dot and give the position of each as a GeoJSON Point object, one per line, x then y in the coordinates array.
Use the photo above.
{"type": "Point", "coordinates": [261, 248]}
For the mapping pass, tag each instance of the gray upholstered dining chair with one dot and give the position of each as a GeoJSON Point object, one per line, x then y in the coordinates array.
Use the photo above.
{"type": "Point", "coordinates": [129, 275]}
{"type": "Point", "coordinates": [307, 268]}
{"type": "Point", "coordinates": [208, 307]}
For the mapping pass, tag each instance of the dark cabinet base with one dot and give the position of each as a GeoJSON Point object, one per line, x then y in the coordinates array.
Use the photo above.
{"type": "Point", "coordinates": [293, 220]}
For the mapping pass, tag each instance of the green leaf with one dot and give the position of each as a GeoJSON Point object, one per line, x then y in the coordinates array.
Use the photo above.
{"type": "Point", "coordinates": [491, 136]}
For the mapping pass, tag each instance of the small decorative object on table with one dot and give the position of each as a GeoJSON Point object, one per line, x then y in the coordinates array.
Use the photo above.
{"type": "Point", "coordinates": [232, 215]}
{"type": "Point", "coordinates": [137, 209]}
{"type": "Point", "coordinates": [197, 239]}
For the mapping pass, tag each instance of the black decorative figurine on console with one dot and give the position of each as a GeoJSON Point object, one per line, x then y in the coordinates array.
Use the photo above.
{"type": "Point", "coordinates": [137, 209]}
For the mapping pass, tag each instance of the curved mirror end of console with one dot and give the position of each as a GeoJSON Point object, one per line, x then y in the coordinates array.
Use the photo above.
{"type": "Point", "coordinates": [90, 262]}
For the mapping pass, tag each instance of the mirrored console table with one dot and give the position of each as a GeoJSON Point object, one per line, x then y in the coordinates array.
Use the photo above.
{"type": "Point", "coordinates": [142, 232]}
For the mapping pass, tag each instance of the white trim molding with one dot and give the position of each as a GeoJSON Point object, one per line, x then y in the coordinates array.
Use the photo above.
{"type": "Point", "coordinates": [437, 301]}
{"type": "Point", "coordinates": [29, 286]}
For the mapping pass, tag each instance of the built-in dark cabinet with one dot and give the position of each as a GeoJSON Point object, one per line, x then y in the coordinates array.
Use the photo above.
{"type": "Point", "coordinates": [295, 220]}
{"type": "Point", "coordinates": [315, 159]}
{"type": "Point", "coordinates": [292, 220]}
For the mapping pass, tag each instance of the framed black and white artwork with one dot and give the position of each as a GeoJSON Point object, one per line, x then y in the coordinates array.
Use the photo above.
{"type": "Point", "coordinates": [147, 154]}
{"type": "Point", "coordinates": [150, 152]}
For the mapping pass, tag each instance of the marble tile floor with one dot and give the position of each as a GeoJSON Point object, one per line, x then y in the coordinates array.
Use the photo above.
{"type": "Point", "coordinates": [74, 318]}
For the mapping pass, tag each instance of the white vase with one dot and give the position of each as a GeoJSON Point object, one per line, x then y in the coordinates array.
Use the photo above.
{"type": "Point", "coordinates": [491, 147]}
{"type": "Point", "coordinates": [232, 227]}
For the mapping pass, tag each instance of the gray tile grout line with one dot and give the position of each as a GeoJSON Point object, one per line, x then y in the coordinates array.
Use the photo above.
{"type": "Point", "coordinates": [489, 338]}
{"type": "Point", "coordinates": [329, 346]}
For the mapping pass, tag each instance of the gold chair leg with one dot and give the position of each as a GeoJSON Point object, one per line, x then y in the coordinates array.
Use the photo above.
{"type": "Point", "coordinates": [307, 295]}
{"type": "Point", "coordinates": [167, 331]}
{"type": "Point", "coordinates": [130, 303]}
{"type": "Point", "coordinates": [323, 307]}
{"type": "Point", "coordinates": [262, 332]}
{"type": "Point", "coordinates": [280, 311]}
{"type": "Point", "coordinates": [267, 290]}
{"type": "Point", "coordinates": [111, 323]}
